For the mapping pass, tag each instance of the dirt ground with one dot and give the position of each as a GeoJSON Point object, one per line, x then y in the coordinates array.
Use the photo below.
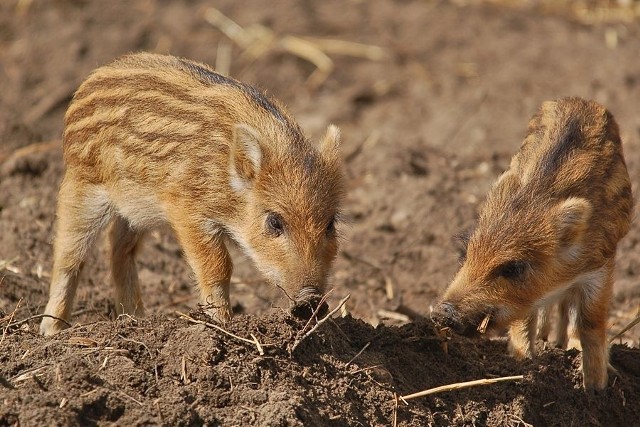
{"type": "Point", "coordinates": [430, 117]}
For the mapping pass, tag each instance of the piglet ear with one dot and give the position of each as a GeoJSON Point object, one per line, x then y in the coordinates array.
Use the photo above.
{"type": "Point", "coordinates": [572, 219]}
{"type": "Point", "coordinates": [330, 143]}
{"type": "Point", "coordinates": [245, 156]}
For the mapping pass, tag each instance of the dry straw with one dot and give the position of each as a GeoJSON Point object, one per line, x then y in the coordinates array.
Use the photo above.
{"type": "Point", "coordinates": [459, 386]}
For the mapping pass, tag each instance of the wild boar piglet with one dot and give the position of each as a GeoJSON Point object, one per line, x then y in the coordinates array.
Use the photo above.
{"type": "Point", "coordinates": [152, 140]}
{"type": "Point", "coordinates": [547, 234]}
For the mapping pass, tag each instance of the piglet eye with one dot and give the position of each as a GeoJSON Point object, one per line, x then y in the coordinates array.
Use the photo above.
{"type": "Point", "coordinates": [274, 224]}
{"type": "Point", "coordinates": [512, 270]}
{"type": "Point", "coordinates": [331, 226]}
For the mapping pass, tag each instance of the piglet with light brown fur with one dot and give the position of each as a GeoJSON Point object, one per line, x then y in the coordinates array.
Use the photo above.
{"type": "Point", "coordinates": [153, 140]}
{"type": "Point", "coordinates": [547, 234]}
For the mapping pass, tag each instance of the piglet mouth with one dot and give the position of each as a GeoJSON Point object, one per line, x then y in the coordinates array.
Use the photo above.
{"type": "Point", "coordinates": [447, 316]}
{"type": "Point", "coordinates": [308, 303]}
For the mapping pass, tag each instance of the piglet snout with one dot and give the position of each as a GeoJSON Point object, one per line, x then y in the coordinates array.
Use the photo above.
{"type": "Point", "coordinates": [444, 315]}
{"type": "Point", "coordinates": [307, 302]}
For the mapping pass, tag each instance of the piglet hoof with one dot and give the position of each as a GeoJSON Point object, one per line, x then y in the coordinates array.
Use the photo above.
{"type": "Point", "coordinates": [51, 326]}
{"type": "Point", "coordinates": [219, 315]}
{"type": "Point", "coordinates": [520, 352]}
{"type": "Point", "coordinates": [596, 388]}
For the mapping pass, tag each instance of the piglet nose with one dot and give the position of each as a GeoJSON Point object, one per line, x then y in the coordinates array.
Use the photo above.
{"type": "Point", "coordinates": [307, 302]}
{"type": "Point", "coordinates": [444, 314]}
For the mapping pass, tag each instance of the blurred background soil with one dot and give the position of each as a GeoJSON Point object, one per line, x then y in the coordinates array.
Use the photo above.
{"type": "Point", "coordinates": [433, 99]}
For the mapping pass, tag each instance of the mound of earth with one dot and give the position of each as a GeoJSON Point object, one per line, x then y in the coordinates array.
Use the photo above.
{"type": "Point", "coordinates": [163, 371]}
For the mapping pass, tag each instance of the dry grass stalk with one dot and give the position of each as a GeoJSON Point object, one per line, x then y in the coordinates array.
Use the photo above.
{"type": "Point", "coordinates": [366, 346]}
{"type": "Point", "coordinates": [183, 371]}
{"type": "Point", "coordinates": [223, 58]}
{"type": "Point", "coordinates": [389, 287]}
{"type": "Point", "coordinates": [320, 322]}
{"type": "Point", "coordinates": [629, 325]}
{"type": "Point", "coordinates": [314, 315]}
{"type": "Point", "coordinates": [104, 363]}
{"type": "Point", "coordinates": [387, 314]}
{"type": "Point", "coordinates": [130, 398]}
{"type": "Point", "coordinates": [395, 409]}
{"type": "Point", "coordinates": [459, 386]}
{"type": "Point", "coordinates": [10, 318]}
{"type": "Point", "coordinates": [35, 317]}
{"type": "Point", "coordinates": [224, 331]}
{"type": "Point", "coordinates": [30, 373]}
{"type": "Point", "coordinates": [482, 327]}
{"type": "Point", "coordinates": [229, 27]}
{"type": "Point", "coordinates": [82, 342]}
{"type": "Point", "coordinates": [310, 52]}
{"type": "Point", "coordinates": [5, 264]}
{"type": "Point", "coordinates": [368, 368]}
{"type": "Point", "coordinates": [257, 343]}
{"type": "Point", "coordinates": [444, 334]}
{"type": "Point", "coordinates": [347, 48]}
{"type": "Point", "coordinates": [257, 40]}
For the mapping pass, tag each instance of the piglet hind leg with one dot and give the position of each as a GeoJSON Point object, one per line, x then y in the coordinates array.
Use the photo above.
{"type": "Point", "coordinates": [124, 275]}
{"type": "Point", "coordinates": [522, 337]}
{"type": "Point", "coordinates": [591, 327]}
{"type": "Point", "coordinates": [83, 210]}
{"type": "Point", "coordinates": [210, 261]}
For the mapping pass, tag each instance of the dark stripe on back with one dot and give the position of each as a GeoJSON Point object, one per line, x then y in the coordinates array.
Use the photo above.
{"type": "Point", "coordinates": [570, 140]}
{"type": "Point", "coordinates": [210, 77]}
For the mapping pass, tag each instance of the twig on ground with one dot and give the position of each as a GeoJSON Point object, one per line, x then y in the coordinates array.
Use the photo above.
{"type": "Point", "coordinates": [37, 316]}
{"type": "Point", "coordinates": [183, 371]}
{"type": "Point", "coordinates": [458, 386]}
{"type": "Point", "coordinates": [28, 374]}
{"type": "Point", "coordinates": [83, 342]}
{"type": "Point", "coordinates": [224, 331]}
{"type": "Point", "coordinates": [630, 325]}
{"type": "Point", "coordinates": [130, 398]}
{"type": "Point", "coordinates": [320, 322]}
{"type": "Point", "coordinates": [387, 314]}
{"type": "Point", "coordinates": [520, 421]}
{"type": "Point", "coordinates": [285, 293]}
{"type": "Point", "coordinates": [229, 27]}
{"type": "Point", "coordinates": [260, 349]}
{"type": "Point", "coordinates": [316, 310]}
{"type": "Point", "coordinates": [104, 363]}
{"type": "Point", "coordinates": [482, 327]}
{"type": "Point", "coordinates": [368, 368]}
{"type": "Point", "coordinates": [5, 264]}
{"type": "Point", "coordinates": [126, 315]}
{"type": "Point", "coordinates": [257, 40]}
{"type": "Point", "coordinates": [347, 48]}
{"type": "Point", "coordinates": [340, 331]}
{"type": "Point", "coordinates": [10, 317]}
{"type": "Point", "coordinates": [358, 354]}
{"type": "Point", "coordinates": [395, 409]}
{"type": "Point", "coordinates": [310, 52]}
{"type": "Point", "coordinates": [223, 58]}
{"type": "Point", "coordinates": [443, 334]}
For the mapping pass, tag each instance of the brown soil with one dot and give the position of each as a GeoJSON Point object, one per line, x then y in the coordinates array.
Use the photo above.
{"type": "Point", "coordinates": [426, 130]}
